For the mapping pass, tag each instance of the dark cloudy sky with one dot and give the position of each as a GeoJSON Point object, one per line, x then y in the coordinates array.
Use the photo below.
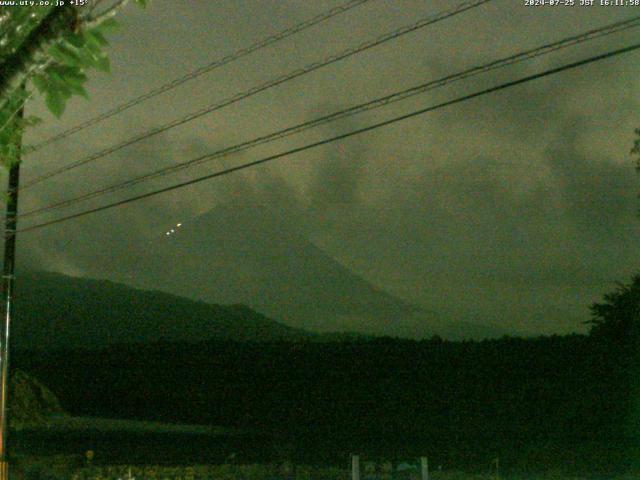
{"type": "Point", "coordinates": [517, 208]}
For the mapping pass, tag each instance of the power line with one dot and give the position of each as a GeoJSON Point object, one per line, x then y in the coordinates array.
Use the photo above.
{"type": "Point", "coordinates": [243, 52]}
{"type": "Point", "coordinates": [341, 136]}
{"type": "Point", "coordinates": [377, 103]}
{"type": "Point", "coordinates": [265, 86]}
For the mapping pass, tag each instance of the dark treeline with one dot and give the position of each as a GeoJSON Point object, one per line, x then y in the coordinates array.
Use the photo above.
{"type": "Point", "coordinates": [564, 401]}
{"type": "Point", "coordinates": [568, 403]}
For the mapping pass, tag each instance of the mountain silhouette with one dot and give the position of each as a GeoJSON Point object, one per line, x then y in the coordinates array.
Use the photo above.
{"type": "Point", "coordinates": [56, 311]}
{"type": "Point", "coordinates": [252, 255]}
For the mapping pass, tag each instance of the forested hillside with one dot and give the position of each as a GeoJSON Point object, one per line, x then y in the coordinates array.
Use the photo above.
{"type": "Point", "coordinates": [533, 402]}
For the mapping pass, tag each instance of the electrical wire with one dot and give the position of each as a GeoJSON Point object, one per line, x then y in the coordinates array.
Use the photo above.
{"type": "Point", "coordinates": [265, 86]}
{"type": "Point", "coordinates": [377, 103]}
{"type": "Point", "coordinates": [243, 52]}
{"type": "Point", "coordinates": [342, 136]}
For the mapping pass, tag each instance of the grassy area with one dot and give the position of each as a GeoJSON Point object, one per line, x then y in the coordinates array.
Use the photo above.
{"type": "Point", "coordinates": [66, 423]}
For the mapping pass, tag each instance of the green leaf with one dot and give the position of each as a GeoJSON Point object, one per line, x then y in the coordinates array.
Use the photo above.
{"type": "Point", "coordinates": [77, 79]}
{"type": "Point", "coordinates": [141, 3]}
{"type": "Point", "coordinates": [9, 155]}
{"type": "Point", "coordinates": [32, 120]}
{"type": "Point", "coordinates": [96, 36]}
{"type": "Point", "coordinates": [69, 74]}
{"type": "Point", "coordinates": [29, 121]}
{"type": "Point", "coordinates": [93, 46]}
{"type": "Point", "coordinates": [75, 39]}
{"type": "Point", "coordinates": [88, 59]}
{"type": "Point", "coordinates": [78, 90]}
{"type": "Point", "coordinates": [103, 64]}
{"type": "Point", "coordinates": [40, 82]}
{"type": "Point", "coordinates": [57, 84]}
{"type": "Point", "coordinates": [56, 103]}
{"type": "Point", "coordinates": [65, 55]}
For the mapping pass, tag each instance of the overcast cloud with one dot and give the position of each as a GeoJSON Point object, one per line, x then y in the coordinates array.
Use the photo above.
{"type": "Point", "coordinates": [518, 208]}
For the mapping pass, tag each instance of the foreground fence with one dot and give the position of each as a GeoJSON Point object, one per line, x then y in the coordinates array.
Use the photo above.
{"type": "Point", "coordinates": [388, 470]}
{"type": "Point", "coordinates": [213, 472]}
{"type": "Point", "coordinates": [361, 469]}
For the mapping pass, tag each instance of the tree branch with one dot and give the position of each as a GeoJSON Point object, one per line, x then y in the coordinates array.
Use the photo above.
{"type": "Point", "coordinates": [15, 113]}
{"type": "Point", "coordinates": [93, 8]}
{"type": "Point", "coordinates": [15, 69]}
{"type": "Point", "coordinates": [28, 74]}
{"type": "Point", "coordinates": [107, 14]}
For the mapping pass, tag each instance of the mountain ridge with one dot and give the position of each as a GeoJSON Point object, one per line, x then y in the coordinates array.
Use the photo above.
{"type": "Point", "coordinates": [254, 255]}
{"type": "Point", "coordinates": [57, 311]}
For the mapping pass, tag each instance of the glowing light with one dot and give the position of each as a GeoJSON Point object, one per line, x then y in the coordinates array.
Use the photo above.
{"type": "Point", "coordinates": [173, 230]}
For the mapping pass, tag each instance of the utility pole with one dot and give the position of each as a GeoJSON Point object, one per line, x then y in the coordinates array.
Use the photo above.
{"type": "Point", "coordinates": [17, 62]}
{"type": "Point", "coordinates": [355, 467]}
{"type": "Point", "coordinates": [11, 222]}
{"type": "Point", "coordinates": [424, 468]}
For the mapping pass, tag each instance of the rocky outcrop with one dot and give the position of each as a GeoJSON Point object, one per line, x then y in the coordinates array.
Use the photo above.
{"type": "Point", "coordinates": [30, 402]}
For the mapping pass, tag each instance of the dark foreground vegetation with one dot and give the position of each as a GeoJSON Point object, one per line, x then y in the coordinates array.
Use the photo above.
{"type": "Point", "coordinates": [566, 402]}
{"type": "Point", "coordinates": [58, 470]}
{"type": "Point", "coordinates": [569, 404]}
